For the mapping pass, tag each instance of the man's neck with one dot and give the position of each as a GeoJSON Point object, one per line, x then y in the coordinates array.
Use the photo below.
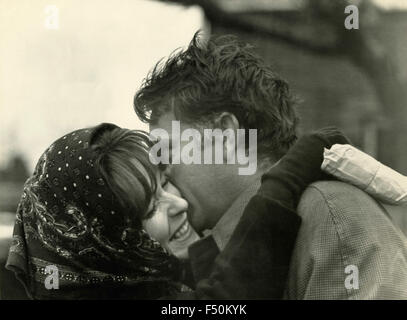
{"type": "Point", "coordinates": [244, 182]}
{"type": "Point", "coordinates": [248, 188]}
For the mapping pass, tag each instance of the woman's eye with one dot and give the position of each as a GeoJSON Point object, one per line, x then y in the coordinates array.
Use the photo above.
{"type": "Point", "coordinates": [165, 182]}
{"type": "Point", "coordinates": [151, 213]}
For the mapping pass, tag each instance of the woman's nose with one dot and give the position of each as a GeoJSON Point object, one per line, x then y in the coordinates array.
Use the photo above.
{"type": "Point", "coordinates": [176, 204]}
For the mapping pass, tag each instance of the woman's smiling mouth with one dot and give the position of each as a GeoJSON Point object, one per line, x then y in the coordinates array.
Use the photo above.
{"type": "Point", "coordinates": [182, 232]}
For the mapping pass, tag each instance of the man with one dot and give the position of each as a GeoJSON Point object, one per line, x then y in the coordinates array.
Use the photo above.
{"type": "Point", "coordinates": [223, 84]}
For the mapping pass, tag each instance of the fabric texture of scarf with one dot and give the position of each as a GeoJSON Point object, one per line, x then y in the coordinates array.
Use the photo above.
{"type": "Point", "coordinates": [68, 218]}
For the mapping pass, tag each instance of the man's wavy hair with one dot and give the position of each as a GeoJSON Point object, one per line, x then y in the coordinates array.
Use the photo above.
{"type": "Point", "coordinates": [221, 75]}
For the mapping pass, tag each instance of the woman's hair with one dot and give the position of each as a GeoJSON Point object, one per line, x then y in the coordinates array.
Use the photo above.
{"type": "Point", "coordinates": [123, 162]}
{"type": "Point", "coordinates": [81, 211]}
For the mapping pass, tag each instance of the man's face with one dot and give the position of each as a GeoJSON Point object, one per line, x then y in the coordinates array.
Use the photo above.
{"type": "Point", "coordinates": [206, 187]}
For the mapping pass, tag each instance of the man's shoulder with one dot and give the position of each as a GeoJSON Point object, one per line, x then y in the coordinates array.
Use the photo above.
{"type": "Point", "coordinates": [337, 198]}
{"type": "Point", "coordinates": [346, 212]}
{"type": "Point", "coordinates": [343, 226]}
{"type": "Point", "coordinates": [334, 191]}
{"type": "Point", "coordinates": [342, 198]}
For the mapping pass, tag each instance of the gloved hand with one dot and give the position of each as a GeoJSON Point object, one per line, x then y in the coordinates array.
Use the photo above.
{"type": "Point", "coordinates": [286, 181]}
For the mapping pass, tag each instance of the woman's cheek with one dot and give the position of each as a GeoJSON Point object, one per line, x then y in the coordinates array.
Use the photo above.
{"type": "Point", "coordinates": [157, 228]}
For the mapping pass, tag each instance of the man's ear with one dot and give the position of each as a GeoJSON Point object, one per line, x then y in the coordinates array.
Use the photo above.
{"type": "Point", "coordinates": [227, 120]}
{"type": "Point", "coordinates": [229, 124]}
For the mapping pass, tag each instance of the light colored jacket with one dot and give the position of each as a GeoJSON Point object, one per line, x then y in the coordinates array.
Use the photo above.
{"type": "Point", "coordinates": [347, 247]}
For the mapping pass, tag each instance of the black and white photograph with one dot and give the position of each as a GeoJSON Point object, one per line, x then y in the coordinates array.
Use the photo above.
{"type": "Point", "coordinates": [203, 150]}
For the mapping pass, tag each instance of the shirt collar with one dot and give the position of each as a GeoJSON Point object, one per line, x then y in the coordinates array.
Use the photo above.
{"type": "Point", "coordinates": [227, 223]}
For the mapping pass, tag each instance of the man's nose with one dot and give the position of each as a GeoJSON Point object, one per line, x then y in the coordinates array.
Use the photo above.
{"type": "Point", "coordinates": [176, 204]}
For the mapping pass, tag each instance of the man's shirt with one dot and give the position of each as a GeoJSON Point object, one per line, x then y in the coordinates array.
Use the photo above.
{"type": "Point", "coordinates": [223, 230]}
{"type": "Point", "coordinates": [347, 247]}
{"type": "Point", "coordinates": [203, 252]}
{"type": "Point", "coordinates": [342, 228]}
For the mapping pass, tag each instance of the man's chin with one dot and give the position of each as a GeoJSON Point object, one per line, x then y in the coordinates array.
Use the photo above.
{"type": "Point", "coordinates": [200, 221]}
{"type": "Point", "coordinates": [197, 224]}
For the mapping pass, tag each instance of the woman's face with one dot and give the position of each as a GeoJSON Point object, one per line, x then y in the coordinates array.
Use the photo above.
{"type": "Point", "coordinates": [167, 221]}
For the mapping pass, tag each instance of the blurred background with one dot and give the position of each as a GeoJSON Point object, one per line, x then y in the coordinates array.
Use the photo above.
{"type": "Point", "coordinates": [66, 64]}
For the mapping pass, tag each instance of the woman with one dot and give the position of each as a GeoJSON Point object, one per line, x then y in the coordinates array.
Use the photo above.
{"type": "Point", "coordinates": [95, 204]}
{"type": "Point", "coordinates": [82, 211]}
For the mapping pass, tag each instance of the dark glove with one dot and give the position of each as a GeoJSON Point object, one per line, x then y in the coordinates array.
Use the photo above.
{"type": "Point", "coordinates": [301, 166]}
